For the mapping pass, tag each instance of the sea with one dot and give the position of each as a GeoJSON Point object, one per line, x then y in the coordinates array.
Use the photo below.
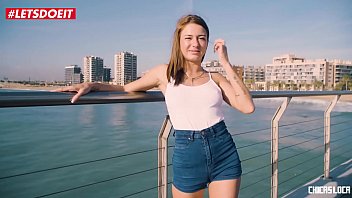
{"type": "Point", "coordinates": [110, 150]}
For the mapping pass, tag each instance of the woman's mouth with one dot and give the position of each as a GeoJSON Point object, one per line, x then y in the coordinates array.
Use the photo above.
{"type": "Point", "coordinates": [194, 51]}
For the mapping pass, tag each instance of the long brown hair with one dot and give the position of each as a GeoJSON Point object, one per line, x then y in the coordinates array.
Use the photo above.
{"type": "Point", "coordinates": [175, 67]}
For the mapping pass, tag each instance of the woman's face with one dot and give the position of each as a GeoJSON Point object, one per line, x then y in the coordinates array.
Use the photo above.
{"type": "Point", "coordinates": [193, 42]}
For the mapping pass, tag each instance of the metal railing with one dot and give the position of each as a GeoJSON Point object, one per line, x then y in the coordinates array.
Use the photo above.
{"type": "Point", "coordinates": [28, 99]}
{"type": "Point", "coordinates": [45, 98]}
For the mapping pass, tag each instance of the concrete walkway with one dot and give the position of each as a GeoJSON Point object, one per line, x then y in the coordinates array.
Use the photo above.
{"type": "Point", "coordinates": [340, 176]}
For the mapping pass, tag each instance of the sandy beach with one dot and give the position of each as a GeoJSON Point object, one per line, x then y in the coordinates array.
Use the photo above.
{"type": "Point", "coordinates": [345, 98]}
{"type": "Point", "coordinates": [17, 86]}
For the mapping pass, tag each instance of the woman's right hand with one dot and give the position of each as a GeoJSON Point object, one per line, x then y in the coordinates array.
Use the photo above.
{"type": "Point", "coordinates": [81, 90]}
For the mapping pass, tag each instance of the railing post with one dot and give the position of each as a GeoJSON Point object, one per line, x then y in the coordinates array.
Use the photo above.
{"type": "Point", "coordinates": [275, 147]}
{"type": "Point", "coordinates": [163, 157]}
{"type": "Point", "coordinates": [327, 125]}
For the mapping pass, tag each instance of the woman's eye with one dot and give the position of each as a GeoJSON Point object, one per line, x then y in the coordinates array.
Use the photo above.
{"type": "Point", "coordinates": [188, 38]}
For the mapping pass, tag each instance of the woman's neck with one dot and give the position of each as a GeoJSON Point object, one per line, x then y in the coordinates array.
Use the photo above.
{"type": "Point", "coordinates": [193, 68]}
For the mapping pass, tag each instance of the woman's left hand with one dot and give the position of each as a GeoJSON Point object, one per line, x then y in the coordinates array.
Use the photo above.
{"type": "Point", "coordinates": [221, 50]}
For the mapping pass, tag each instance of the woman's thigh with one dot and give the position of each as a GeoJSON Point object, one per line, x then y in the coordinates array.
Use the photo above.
{"type": "Point", "coordinates": [179, 194]}
{"type": "Point", "coordinates": [224, 188]}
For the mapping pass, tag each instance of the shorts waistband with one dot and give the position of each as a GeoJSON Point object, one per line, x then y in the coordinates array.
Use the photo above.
{"type": "Point", "coordinates": [210, 131]}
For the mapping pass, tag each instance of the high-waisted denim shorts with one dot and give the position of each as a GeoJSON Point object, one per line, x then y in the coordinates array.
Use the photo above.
{"type": "Point", "coordinates": [201, 157]}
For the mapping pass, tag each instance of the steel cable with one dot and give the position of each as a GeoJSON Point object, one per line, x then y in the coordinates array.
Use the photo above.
{"type": "Point", "coordinates": [297, 186]}
{"type": "Point", "coordinates": [256, 195]}
{"type": "Point", "coordinates": [306, 161]}
{"type": "Point", "coordinates": [292, 156]}
{"type": "Point", "coordinates": [338, 139]}
{"type": "Point", "coordinates": [340, 122]}
{"type": "Point", "coordinates": [255, 182]}
{"type": "Point", "coordinates": [333, 116]}
{"type": "Point", "coordinates": [308, 150]}
{"type": "Point", "coordinates": [77, 164]}
{"type": "Point", "coordinates": [300, 184]}
{"type": "Point", "coordinates": [95, 183]}
{"type": "Point", "coordinates": [246, 132]}
{"type": "Point", "coordinates": [142, 191]}
{"type": "Point", "coordinates": [299, 174]}
{"type": "Point", "coordinates": [249, 145]}
{"type": "Point", "coordinates": [301, 143]}
{"type": "Point", "coordinates": [145, 190]}
{"type": "Point", "coordinates": [301, 132]}
{"type": "Point", "coordinates": [342, 130]}
{"type": "Point", "coordinates": [300, 153]}
{"type": "Point", "coordinates": [256, 156]}
{"type": "Point", "coordinates": [254, 170]}
{"type": "Point", "coordinates": [284, 125]}
{"type": "Point", "coordinates": [286, 180]}
{"type": "Point", "coordinates": [340, 146]}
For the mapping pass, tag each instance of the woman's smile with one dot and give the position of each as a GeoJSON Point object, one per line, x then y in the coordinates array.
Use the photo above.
{"type": "Point", "coordinates": [193, 43]}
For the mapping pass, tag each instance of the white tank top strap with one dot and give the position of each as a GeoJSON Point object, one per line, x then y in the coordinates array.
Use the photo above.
{"type": "Point", "coordinates": [210, 76]}
{"type": "Point", "coordinates": [172, 81]}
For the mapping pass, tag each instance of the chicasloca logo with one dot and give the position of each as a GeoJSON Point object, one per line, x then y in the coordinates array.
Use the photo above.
{"type": "Point", "coordinates": [40, 13]}
{"type": "Point", "coordinates": [329, 189]}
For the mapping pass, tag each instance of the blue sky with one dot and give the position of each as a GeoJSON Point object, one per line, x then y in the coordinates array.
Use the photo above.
{"type": "Point", "coordinates": [255, 31]}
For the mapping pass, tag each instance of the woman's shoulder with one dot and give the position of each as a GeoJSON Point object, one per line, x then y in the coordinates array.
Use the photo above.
{"type": "Point", "coordinates": [162, 67]}
{"type": "Point", "coordinates": [217, 77]}
{"type": "Point", "coordinates": [159, 68]}
{"type": "Point", "coordinates": [159, 71]}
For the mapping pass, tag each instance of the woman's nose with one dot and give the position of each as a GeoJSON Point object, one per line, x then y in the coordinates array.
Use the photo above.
{"type": "Point", "coordinates": [195, 42]}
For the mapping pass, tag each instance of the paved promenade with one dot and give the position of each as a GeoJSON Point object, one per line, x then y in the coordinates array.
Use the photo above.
{"type": "Point", "coordinates": [340, 176]}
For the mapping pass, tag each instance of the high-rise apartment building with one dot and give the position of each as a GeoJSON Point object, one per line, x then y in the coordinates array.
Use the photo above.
{"type": "Point", "coordinates": [73, 74]}
{"type": "Point", "coordinates": [93, 69]}
{"type": "Point", "coordinates": [289, 69]}
{"type": "Point", "coordinates": [125, 67]}
{"type": "Point", "coordinates": [107, 74]}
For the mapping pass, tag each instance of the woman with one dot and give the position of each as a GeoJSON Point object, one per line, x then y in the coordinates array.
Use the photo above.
{"type": "Point", "coordinates": [205, 154]}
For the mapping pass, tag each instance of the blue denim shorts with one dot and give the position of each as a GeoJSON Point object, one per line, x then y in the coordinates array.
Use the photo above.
{"type": "Point", "coordinates": [201, 157]}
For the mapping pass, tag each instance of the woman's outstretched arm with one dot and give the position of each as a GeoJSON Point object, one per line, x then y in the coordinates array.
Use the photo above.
{"type": "Point", "coordinates": [150, 80]}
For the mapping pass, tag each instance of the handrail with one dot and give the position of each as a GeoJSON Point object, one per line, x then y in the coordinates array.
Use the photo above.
{"type": "Point", "coordinates": [46, 98]}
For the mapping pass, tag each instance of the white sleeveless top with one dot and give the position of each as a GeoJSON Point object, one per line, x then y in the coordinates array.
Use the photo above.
{"type": "Point", "coordinates": [194, 107]}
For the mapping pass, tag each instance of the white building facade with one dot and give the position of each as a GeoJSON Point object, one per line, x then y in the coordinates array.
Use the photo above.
{"type": "Point", "coordinates": [93, 69]}
{"type": "Point", "coordinates": [125, 67]}
{"type": "Point", "coordinates": [289, 69]}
